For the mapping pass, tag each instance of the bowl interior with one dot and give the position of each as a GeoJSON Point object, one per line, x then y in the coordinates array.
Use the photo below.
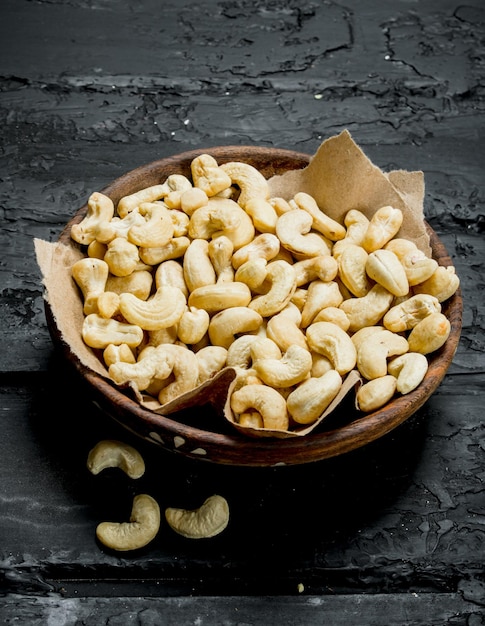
{"type": "Point", "coordinates": [341, 432]}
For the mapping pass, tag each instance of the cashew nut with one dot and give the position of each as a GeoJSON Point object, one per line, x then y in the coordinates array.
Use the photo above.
{"type": "Point", "coordinates": [324, 224]}
{"type": "Point", "coordinates": [320, 295]}
{"type": "Point", "coordinates": [122, 257]}
{"type": "Point", "coordinates": [90, 276]}
{"type": "Point", "coordinates": [368, 310]}
{"type": "Point", "coordinates": [310, 399]}
{"type": "Point", "coordinates": [184, 368]}
{"type": "Point", "coordinates": [112, 453]}
{"type": "Point", "coordinates": [252, 273]}
{"type": "Point", "coordinates": [129, 203]}
{"type": "Point", "coordinates": [197, 266]}
{"type": "Point", "coordinates": [118, 227]}
{"type": "Point", "coordinates": [174, 249]}
{"type": "Point", "coordinates": [376, 393]}
{"type": "Point", "coordinates": [429, 334]}
{"type": "Point", "coordinates": [139, 283]}
{"type": "Point", "coordinates": [335, 315]}
{"type": "Point", "coordinates": [408, 313]}
{"type": "Point", "coordinates": [240, 355]}
{"type": "Point", "coordinates": [284, 332]}
{"type": "Point", "coordinates": [417, 265]}
{"type": "Point", "coordinates": [442, 284]}
{"type": "Point", "coordinates": [193, 325]}
{"type": "Point", "coordinates": [208, 176]}
{"type": "Point", "coordinates": [334, 343]}
{"type": "Point", "coordinates": [222, 216]}
{"type": "Point", "coordinates": [323, 267]}
{"type": "Point", "coordinates": [171, 274]}
{"type": "Point", "coordinates": [193, 199]}
{"type": "Point", "coordinates": [383, 226]}
{"type": "Point", "coordinates": [262, 213]}
{"type": "Point", "coordinates": [225, 325]}
{"type": "Point", "coordinates": [162, 310]}
{"type": "Point", "coordinates": [267, 401]}
{"type": "Point", "coordinates": [156, 229]}
{"type": "Point", "coordinates": [265, 246]}
{"type": "Point", "coordinates": [142, 528]}
{"type": "Point", "coordinates": [281, 276]}
{"type": "Point", "coordinates": [153, 364]}
{"type": "Point", "coordinates": [409, 370]}
{"type": "Point", "coordinates": [98, 332]}
{"type": "Point", "coordinates": [210, 359]}
{"type": "Point", "coordinates": [292, 368]}
{"type": "Point", "coordinates": [220, 255]}
{"type": "Point", "coordinates": [100, 210]}
{"type": "Point", "coordinates": [249, 180]}
{"type": "Point", "coordinates": [352, 270]}
{"type": "Point", "coordinates": [214, 298]}
{"type": "Point", "coordinates": [108, 304]}
{"type": "Point", "coordinates": [293, 231]}
{"type": "Point", "coordinates": [374, 351]}
{"type": "Point", "coordinates": [115, 354]}
{"type": "Point", "coordinates": [208, 520]}
{"type": "Point", "coordinates": [384, 267]}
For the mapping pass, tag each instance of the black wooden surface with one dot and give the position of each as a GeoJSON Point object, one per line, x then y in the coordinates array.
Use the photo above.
{"type": "Point", "coordinates": [390, 534]}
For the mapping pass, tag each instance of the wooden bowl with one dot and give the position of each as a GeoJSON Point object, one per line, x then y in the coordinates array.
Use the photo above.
{"type": "Point", "coordinates": [347, 431]}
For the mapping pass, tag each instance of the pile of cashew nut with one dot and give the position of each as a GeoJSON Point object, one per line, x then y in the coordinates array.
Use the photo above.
{"type": "Point", "coordinates": [192, 275]}
{"type": "Point", "coordinates": [210, 519]}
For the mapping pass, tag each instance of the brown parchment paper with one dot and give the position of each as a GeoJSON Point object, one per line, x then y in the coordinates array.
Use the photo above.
{"type": "Point", "coordinates": [339, 176]}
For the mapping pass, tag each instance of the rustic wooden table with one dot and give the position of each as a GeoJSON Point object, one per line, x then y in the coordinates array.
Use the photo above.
{"type": "Point", "coordinates": [392, 533]}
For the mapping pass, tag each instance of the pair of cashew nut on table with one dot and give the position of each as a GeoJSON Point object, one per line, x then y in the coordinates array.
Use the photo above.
{"type": "Point", "coordinates": [186, 277]}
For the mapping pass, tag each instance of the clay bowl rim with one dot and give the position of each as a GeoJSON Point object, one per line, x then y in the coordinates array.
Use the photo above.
{"type": "Point", "coordinates": [238, 449]}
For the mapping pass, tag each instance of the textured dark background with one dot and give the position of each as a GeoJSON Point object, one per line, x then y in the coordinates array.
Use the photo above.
{"type": "Point", "coordinates": [89, 89]}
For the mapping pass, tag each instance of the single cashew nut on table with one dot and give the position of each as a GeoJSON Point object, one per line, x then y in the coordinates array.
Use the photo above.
{"type": "Point", "coordinates": [207, 521]}
{"type": "Point", "coordinates": [112, 453]}
{"type": "Point", "coordinates": [142, 528]}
